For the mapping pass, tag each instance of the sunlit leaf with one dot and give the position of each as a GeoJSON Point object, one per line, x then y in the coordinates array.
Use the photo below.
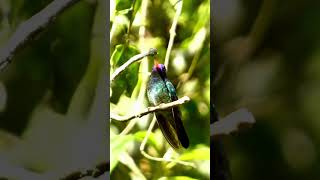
{"type": "Point", "coordinates": [141, 134]}
{"type": "Point", "coordinates": [202, 153]}
{"type": "Point", "coordinates": [123, 4]}
{"type": "Point", "coordinates": [126, 7]}
{"type": "Point", "coordinates": [118, 145]}
{"type": "Point", "coordinates": [177, 178]}
{"type": "Point", "coordinates": [123, 12]}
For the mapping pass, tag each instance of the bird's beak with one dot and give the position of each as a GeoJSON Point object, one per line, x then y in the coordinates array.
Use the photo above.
{"type": "Point", "coordinates": [156, 62]}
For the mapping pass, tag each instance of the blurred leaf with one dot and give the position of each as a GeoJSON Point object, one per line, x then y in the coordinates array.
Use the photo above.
{"type": "Point", "coordinates": [128, 79]}
{"type": "Point", "coordinates": [70, 50]}
{"type": "Point", "coordinates": [8, 140]}
{"type": "Point", "coordinates": [203, 12]}
{"type": "Point", "coordinates": [123, 12]}
{"type": "Point", "coordinates": [177, 178]}
{"type": "Point", "coordinates": [127, 160]}
{"type": "Point", "coordinates": [202, 153]}
{"type": "Point", "coordinates": [141, 134]}
{"type": "Point", "coordinates": [123, 103]}
{"type": "Point", "coordinates": [21, 10]}
{"type": "Point", "coordinates": [82, 97]}
{"type": "Point", "coordinates": [118, 146]}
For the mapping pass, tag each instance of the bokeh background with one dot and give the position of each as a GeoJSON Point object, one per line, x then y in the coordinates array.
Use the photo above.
{"type": "Point", "coordinates": [267, 58]}
{"type": "Point", "coordinates": [136, 26]}
{"type": "Point", "coordinates": [53, 95]}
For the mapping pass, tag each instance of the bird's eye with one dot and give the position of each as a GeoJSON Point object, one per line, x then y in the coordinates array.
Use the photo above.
{"type": "Point", "coordinates": [163, 68]}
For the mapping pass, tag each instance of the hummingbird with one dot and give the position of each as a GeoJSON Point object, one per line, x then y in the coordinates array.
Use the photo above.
{"type": "Point", "coordinates": [161, 90]}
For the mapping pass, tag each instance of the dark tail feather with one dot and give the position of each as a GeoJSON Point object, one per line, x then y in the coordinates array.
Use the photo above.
{"type": "Point", "coordinates": [182, 135]}
{"type": "Point", "coordinates": [168, 130]}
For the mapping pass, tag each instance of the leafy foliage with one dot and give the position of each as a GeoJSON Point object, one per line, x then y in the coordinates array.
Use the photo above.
{"type": "Point", "coordinates": [135, 30]}
{"type": "Point", "coordinates": [127, 80]}
{"type": "Point", "coordinates": [54, 94]}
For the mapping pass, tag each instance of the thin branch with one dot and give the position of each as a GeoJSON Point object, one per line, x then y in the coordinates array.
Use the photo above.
{"type": "Point", "coordinates": [130, 22]}
{"type": "Point", "coordinates": [129, 127]}
{"type": "Point", "coordinates": [99, 170]}
{"type": "Point", "coordinates": [235, 121]}
{"type": "Point", "coordinates": [133, 59]}
{"type": "Point", "coordinates": [32, 27]}
{"type": "Point", "coordinates": [128, 161]}
{"type": "Point", "coordinates": [151, 109]}
{"type": "Point", "coordinates": [143, 144]}
{"type": "Point", "coordinates": [173, 32]}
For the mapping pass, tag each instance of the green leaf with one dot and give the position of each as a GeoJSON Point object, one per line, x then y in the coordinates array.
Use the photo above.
{"type": "Point", "coordinates": [118, 146]}
{"type": "Point", "coordinates": [139, 136]}
{"type": "Point", "coordinates": [126, 7]}
{"type": "Point", "coordinates": [177, 178]}
{"type": "Point", "coordinates": [123, 4]}
{"type": "Point", "coordinates": [70, 65]}
{"type": "Point", "coordinates": [123, 12]}
{"type": "Point", "coordinates": [128, 79]}
{"type": "Point", "coordinates": [201, 153]}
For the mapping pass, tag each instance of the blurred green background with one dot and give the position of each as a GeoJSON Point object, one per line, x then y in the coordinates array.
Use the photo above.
{"type": "Point", "coordinates": [53, 94]}
{"type": "Point", "coordinates": [267, 58]}
{"type": "Point", "coordinates": [136, 26]}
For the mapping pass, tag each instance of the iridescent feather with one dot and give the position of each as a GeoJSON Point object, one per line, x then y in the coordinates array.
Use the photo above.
{"type": "Point", "coordinates": [161, 90]}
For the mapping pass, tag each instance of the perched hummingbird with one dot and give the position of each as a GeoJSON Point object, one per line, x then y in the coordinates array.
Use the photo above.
{"type": "Point", "coordinates": [160, 90]}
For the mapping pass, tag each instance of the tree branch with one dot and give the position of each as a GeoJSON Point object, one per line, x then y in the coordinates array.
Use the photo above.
{"type": "Point", "coordinates": [235, 121]}
{"type": "Point", "coordinates": [30, 28]}
{"type": "Point", "coordinates": [96, 172]}
{"type": "Point", "coordinates": [150, 109]}
{"type": "Point", "coordinates": [151, 52]}
{"type": "Point", "coordinates": [173, 32]}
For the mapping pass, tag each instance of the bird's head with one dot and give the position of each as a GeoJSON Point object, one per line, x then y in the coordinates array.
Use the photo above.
{"type": "Point", "coordinates": [160, 69]}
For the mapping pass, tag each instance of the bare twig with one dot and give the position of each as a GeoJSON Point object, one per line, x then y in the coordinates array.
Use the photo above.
{"type": "Point", "coordinates": [99, 170]}
{"type": "Point", "coordinates": [232, 123]}
{"type": "Point", "coordinates": [151, 109]}
{"type": "Point", "coordinates": [29, 29]}
{"type": "Point", "coordinates": [135, 58]}
{"type": "Point", "coordinates": [173, 32]}
{"type": "Point", "coordinates": [143, 144]}
{"type": "Point", "coordinates": [128, 161]}
{"type": "Point", "coordinates": [129, 127]}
